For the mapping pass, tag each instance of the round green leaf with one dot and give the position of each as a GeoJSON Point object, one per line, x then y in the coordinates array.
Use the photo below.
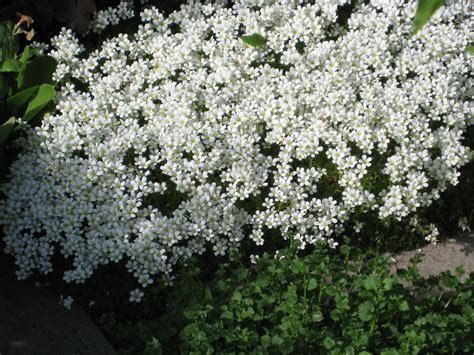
{"type": "Point", "coordinates": [365, 311]}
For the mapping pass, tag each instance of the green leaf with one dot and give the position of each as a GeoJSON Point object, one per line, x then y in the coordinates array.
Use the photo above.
{"type": "Point", "coordinates": [317, 316]}
{"type": "Point", "coordinates": [404, 306]}
{"type": "Point", "coordinates": [390, 351]}
{"type": "Point", "coordinates": [312, 284]}
{"type": "Point", "coordinates": [10, 65]}
{"type": "Point", "coordinates": [6, 128]}
{"type": "Point", "coordinates": [39, 71]}
{"type": "Point", "coordinates": [329, 343]}
{"type": "Point", "coordinates": [3, 86]}
{"type": "Point", "coordinates": [424, 11]}
{"type": "Point", "coordinates": [298, 267]}
{"type": "Point", "coordinates": [276, 340]}
{"type": "Point", "coordinates": [371, 282]}
{"type": "Point", "coordinates": [9, 45]}
{"type": "Point", "coordinates": [22, 97]}
{"type": "Point", "coordinates": [388, 283]}
{"type": "Point", "coordinates": [24, 61]}
{"type": "Point", "coordinates": [4, 31]}
{"type": "Point", "coordinates": [449, 282]}
{"type": "Point", "coordinates": [240, 274]}
{"type": "Point", "coordinates": [44, 96]}
{"type": "Point", "coordinates": [227, 315]}
{"type": "Point", "coordinates": [365, 311]}
{"type": "Point", "coordinates": [254, 40]}
{"type": "Point", "coordinates": [265, 340]}
{"type": "Point", "coordinates": [470, 49]}
{"type": "Point", "coordinates": [153, 347]}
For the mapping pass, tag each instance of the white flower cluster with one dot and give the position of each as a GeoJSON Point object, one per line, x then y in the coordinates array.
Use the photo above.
{"type": "Point", "coordinates": [182, 138]}
{"type": "Point", "coordinates": [112, 16]}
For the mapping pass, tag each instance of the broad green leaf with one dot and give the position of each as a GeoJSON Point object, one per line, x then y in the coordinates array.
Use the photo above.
{"type": "Point", "coordinates": [11, 44]}
{"type": "Point", "coordinates": [227, 315]}
{"type": "Point", "coordinates": [470, 49]}
{"type": "Point", "coordinates": [43, 97]}
{"type": "Point", "coordinates": [276, 340]}
{"type": "Point", "coordinates": [22, 97]}
{"type": "Point", "coordinates": [24, 61]}
{"type": "Point", "coordinates": [388, 282]}
{"type": "Point", "coordinates": [153, 347]}
{"type": "Point", "coordinates": [11, 65]}
{"type": "Point", "coordinates": [254, 40]}
{"type": "Point", "coordinates": [365, 311]}
{"type": "Point", "coordinates": [312, 284]}
{"type": "Point", "coordinates": [6, 128]}
{"type": "Point", "coordinates": [390, 351]}
{"type": "Point", "coordinates": [317, 316]}
{"type": "Point", "coordinates": [39, 71]}
{"type": "Point", "coordinates": [329, 343]}
{"type": "Point", "coordinates": [240, 274]}
{"type": "Point", "coordinates": [265, 340]}
{"type": "Point", "coordinates": [424, 11]}
{"type": "Point", "coordinates": [3, 32]}
{"type": "Point", "coordinates": [371, 282]}
{"type": "Point", "coordinates": [3, 86]}
{"type": "Point", "coordinates": [404, 306]}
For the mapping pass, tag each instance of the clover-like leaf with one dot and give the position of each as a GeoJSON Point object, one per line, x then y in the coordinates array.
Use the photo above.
{"type": "Point", "coordinates": [404, 306]}
{"type": "Point", "coordinates": [365, 311]}
{"type": "Point", "coordinates": [312, 284]}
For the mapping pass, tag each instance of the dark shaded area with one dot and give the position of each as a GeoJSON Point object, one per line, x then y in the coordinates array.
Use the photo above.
{"type": "Point", "coordinates": [33, 322]}
{"type": "Point", "coordinates": [51, 15]}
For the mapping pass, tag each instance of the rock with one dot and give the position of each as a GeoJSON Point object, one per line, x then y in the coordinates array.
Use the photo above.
{"type": "Point", "coordinates": [444, 256]}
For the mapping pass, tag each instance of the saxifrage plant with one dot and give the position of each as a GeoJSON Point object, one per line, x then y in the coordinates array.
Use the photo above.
{"type": "Point", "coordinates": [183, 138]}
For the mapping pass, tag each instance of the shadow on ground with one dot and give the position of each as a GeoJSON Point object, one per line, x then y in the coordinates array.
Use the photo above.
{"type": "Point", "coordinates": [33, 322]}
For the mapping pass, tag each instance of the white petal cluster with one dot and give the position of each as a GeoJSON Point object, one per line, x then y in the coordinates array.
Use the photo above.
{"type": "Point", "coordinates": [182, 138]}
{"type": "Point", "coordinates": [111, 16]}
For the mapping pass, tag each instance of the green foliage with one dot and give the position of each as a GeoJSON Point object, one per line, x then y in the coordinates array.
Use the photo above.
{"type": "Point", "coordinates": [255, 40]}
{"type": "Point", "coordinates": [323, 301]}
{"type": "Point", "coordinates": [25, 81]}
{"type": "Point", "coordinates": [424, 11]}
{"type": "Point", "coordinates": [330, 302]}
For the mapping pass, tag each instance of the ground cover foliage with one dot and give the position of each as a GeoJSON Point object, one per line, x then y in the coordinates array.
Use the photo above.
{"type": "Point", "coordinates": [215, 147]}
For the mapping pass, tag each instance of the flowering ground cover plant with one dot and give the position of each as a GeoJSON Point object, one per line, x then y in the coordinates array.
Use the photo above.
{"type": "Point", "coordinates": [184, 138]}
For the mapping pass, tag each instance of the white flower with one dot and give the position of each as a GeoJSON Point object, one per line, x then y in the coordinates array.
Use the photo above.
{"type": "Point", "coordinates": [182, 139]}
{"type": "Point", "coordinates": [254, 258]}
{"type": "Point", "coordinates": [463, 223]}
{"type": "Point", "coordinates": [136, 295]}
{"type": "Point", "coordinates": [66, 302]}
{"type": "Point", "coordinates": [432, 237]}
